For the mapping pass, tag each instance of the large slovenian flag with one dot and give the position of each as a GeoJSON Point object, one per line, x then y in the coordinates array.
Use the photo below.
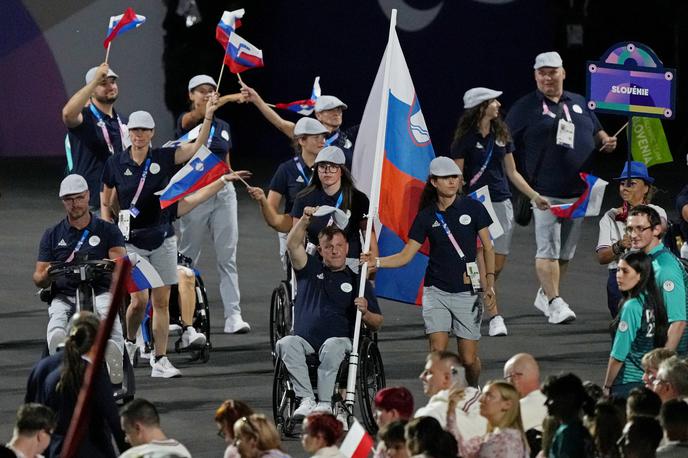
{"type": "Point", "coordinates": [143, 275]}
{"type": "Point", "coordinates": [357, 443]}
{"type": "Point", "coordinates": [121, 23]}
{"type": "Point", "coordinates": [229, 22]}
{"type": "Point", "coordinates": [588, 204]}
{"type": "Point", "coordinates": [240, 55]}
{"type": "Point", "coordinates": [394, 121]}
{"type": "Point", "coordinates": [201, 170]}
{"type": "Point", "coordinates": [303, 107]}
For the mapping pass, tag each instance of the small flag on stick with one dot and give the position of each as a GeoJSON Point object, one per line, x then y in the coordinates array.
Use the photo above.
{"type": "Point", "coordinates": [121, 23]}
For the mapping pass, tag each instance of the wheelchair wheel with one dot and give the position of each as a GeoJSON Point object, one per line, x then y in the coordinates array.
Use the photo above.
{"type": "Point", "coordinates": [283, 400]}
{"type": "Point", "coordinates": [280, 315]}
{"type": "Point", "coordinates": [202, 312]}
{"type": "Point", "coordinates": [370, 379]}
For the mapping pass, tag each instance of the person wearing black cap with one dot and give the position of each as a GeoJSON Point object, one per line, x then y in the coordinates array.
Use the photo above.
{"type": "Point", "coordinates": [451, 223]}
{"type": "Point", "coordinates": [635, 188]}
{"type": "Point", "coordinates": [96, 130]}
{"type": "Point", "coordinates": [130, 180]}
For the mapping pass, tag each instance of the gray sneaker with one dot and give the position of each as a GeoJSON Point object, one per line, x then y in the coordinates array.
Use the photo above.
{"type": "Point", "coordinates": [164, 368]}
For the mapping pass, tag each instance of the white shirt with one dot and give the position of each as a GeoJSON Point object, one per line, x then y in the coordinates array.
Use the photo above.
{"type": "Point", "coordinates": [157, 449]}
{"type": "Point", "coordinates": [468, 419]}
{"type": "Point", "coordinates": [329, 452]}
{"type": "Point", "coordinates": [533, 410]}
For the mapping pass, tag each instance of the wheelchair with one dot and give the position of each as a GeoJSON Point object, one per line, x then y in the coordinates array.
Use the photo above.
{"type": "Point", "coordinates": [369, 379]}
{"type": "Point", "coordinates": [281, 310]}
{"type": "Point", "coordinates": [86, 273]}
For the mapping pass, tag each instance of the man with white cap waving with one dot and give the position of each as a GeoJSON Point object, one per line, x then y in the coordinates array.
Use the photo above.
{"type": "Point", "coordinates": [555, 136]}
{"type": "Point", "coordinates": [96, 131]}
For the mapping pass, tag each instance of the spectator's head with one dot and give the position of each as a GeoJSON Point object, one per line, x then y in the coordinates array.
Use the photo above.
{"type": "Point", "coordinates": [393, 403]}
{"type": "Point", "coordinates": [674, 420]}
{"type": "Point", "coordinates": [499, 404]}
{"type": "Point", "coordinates": [522, 371]}
{"type": "Point", "coordinates": [549, 73]}
{"type": "Point", "coordinates": [424, 435]}
{"type": "Point", "coordinates": [595, 391]}
{"type": "Point", "coordinates": [140, 421]}
{"type": "Point", "coordinates": [254, 435]}
{"type": "Point", "coordinates": [635, 183]}
{"type": "Point", "coordinates": [437, 375]}
{"type": "Point", "coordinates": [642, 402]}
{"type": "Point", "coordinates": [333, 247]}
{"type": "Point", "coordinates": [607, 427]}
{"type": "Point", "coordinates": [641, 437]}
{"type": "Point", "coordinates": [651, 362]}
{"type": "Point", "coordinates": [227, 414]}
{"type": "Point", "coordinates": [566, 397]}
{"type": "Point", "coordinates": [33, 429]}
{"type": "Point", "coordinates": [671, 381]}
{"type": "Point", "coordinates": [644, 226]}
{"type": "Point", "coordinates": [320, 430]}
{"type": "Point", "coordinates": [392, 436]}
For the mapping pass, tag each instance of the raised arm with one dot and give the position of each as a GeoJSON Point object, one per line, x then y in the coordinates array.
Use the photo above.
{"type": "Point", "coordinates": [296, 237]}
{"type": "Point", "coordinates": [250, 95]}
{"type": "Point", "coordinates": [71, 112]}
{"type": "Point", "coordinates": [186, 150]}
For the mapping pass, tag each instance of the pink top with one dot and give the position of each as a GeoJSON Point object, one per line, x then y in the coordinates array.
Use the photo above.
{"type": "Point", "coordinates": [500, 443]}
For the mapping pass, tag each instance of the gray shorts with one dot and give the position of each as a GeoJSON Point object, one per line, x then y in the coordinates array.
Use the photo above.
{"type": "Point", "coordinates": [556, 238]}
{"type": "Point", "coordinates": [460, 313]}
{"type": "Point", "coordinates": [163, 259]}
{"type": "Point", "coordinates": [505, 214]}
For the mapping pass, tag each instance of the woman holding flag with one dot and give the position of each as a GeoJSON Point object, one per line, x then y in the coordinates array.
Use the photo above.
{"type": "Point", "coordinates": [132, 177]}
{"type": "Point", "coordinates": [451, 223]}
{"type": "Point", "coordinates": [482, 149]}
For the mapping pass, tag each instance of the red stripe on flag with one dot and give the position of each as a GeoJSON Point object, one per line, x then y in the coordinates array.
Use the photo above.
{"type": "Point", "coordinates": [128, 16]}
{"type": "Point", "coordinates": [210, 176]}
{"type": "Point", "coordinates": [364, 447]}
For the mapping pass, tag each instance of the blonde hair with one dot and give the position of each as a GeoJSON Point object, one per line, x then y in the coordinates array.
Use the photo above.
{"type": "Point", "coordinates": [512, 417]}
{"type": "Point", "coordinates": [261, 429]}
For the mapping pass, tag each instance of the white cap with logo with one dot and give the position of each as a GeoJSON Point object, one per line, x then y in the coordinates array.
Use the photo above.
{"type": "Point", "coordinates": [91, 74]}
{"type": "Point", "coordinates": [73, 184]}
{"type": "Point", "coordinates": [328, 102]}
{"type": "Point", "coordinates": [548, 59]}
{"type": "Point", "coordinates": [140, 120]}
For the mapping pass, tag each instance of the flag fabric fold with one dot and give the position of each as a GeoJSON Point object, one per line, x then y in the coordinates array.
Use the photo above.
{"type": "Point", "coordinates": [143, 275]}
{"type": "Point", "coordinates": [189, 137]}
{"type": "Point", "coordinates": [303, 107]}
{"type": "Point", "coordinates": [121, 23]}
{"type": "Point", "coordinates": [482, 195]}
{"type": "Point", "coordinates": [240, 55]}
{"type": "Point", "coordinates": [357, 443]}
{"type": "Point", "coordinates": [588, 204]}
{"type": "Point", "coordinates": [229, 22]}
{"type": "Point", "coordinates": [201, 170]}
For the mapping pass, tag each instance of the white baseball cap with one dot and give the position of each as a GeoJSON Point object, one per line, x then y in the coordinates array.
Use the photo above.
{"type": "Point", "coordinates": [328, 102]}
{"type": "Point", "coordinates": [444, 167]}
{"type": "Point", "coordinates": [73, 184]}
{"type": "Point", "coordinates": [548, 59]}
{"type": "Point", "coordinates": [141, 120]}
{"type": "Point", "coordinates": [331, 154]}
{"type": "Point", "coordinates": [477, 95]}
{"type": "Point", "coordinates": [201, 79]}
{"type": "Point", "coordinates": [91, 74]}
{"type": "Point", "coordinates": [309, 126]}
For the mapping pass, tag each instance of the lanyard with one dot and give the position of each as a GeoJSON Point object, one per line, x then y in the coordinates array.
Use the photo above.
{"type": "Point", "coordinates": [78, 245]}
{"type": "Point", "coordinates": [337, 205]}
{"type": "Point", "coordinates": [547, 112]}
{"type": "Point", "coordinates": [332, 139]}
{"type": "Point", "coordinates": [210, 135]}
{"type": "Point", "coordinates": [480, 172]}
{"type": "Point", "coordinates": [132, 207]}
{"type": "Point", "coordinates": [453, 241]}
{"type": "Point", "coordinates": [306, 178]}
{"type": "Point", "coordinates": [103, 128]}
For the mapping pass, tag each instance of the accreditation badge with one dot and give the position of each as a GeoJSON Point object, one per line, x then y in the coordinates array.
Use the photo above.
{"type": "Point", "coordinates": [124, 223]}
{"type": "Point", "coordinates": [565, 133]}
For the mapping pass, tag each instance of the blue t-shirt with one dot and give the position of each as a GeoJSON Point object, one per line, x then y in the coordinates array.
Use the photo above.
{"type": "Point", "coordinates": [220, 142]}
{"type": "Point", "coordinates": [289, 180]}
{"type": "Point", "coordinates": [325, 307]}
{"type": "Point", "coordinates": [474, 149]}
{"type": "Point", "coordinates": [150, 228]}
{"type": "Point", "coordinates": [633, 339]}
{"type": "Point", "coordinates": [534, 134]}
{"type": "Point", "coordinates": [59, 242]}
{"type": "Point", "coordinates": [465, 217]}
{"type": "Point", "coordinates": [90, 150]}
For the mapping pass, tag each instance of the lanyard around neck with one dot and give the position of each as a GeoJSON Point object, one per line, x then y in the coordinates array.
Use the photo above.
{"type": "Point", "coordinates": [453, 241]}
{"type": "Point", "coordinates": [483, 167]}
{"type": "Point", "coordinates": [132, 207]}
{"type": "Point", "coordinates": [546, 111]}
{"type": "Point", "coordinates": [302, 171]}
{"type": "Point", "coordinates": [78, 246]}
{"type": "Point", "coordinates": [103, 127]}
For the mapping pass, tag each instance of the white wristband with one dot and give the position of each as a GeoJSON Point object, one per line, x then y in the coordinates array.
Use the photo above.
{"type": "Point", "coordinates": [377, 263]}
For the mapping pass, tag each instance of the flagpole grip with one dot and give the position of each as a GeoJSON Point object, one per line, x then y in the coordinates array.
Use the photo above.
{"type": "Point", "coordinates": [107, 52]}
{"type": "Point", "coordinates": [241, 82]}
{"type": "Point", "coordinates": [219, 78]}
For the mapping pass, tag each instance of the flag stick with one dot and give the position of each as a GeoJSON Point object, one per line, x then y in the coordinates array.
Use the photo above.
{"type": "Point", "coordinates": [241, 82]}
{"type": "Point", "coordinates": [239, 177]}
{"type": "Point", "coordinates": [107, 53]}
{"type": "Point", "coordinates": [271, 105]}
{"type": "Point", "coordinates": [219, 78]}
{"type": "Point", "coordinates": [616, 134]}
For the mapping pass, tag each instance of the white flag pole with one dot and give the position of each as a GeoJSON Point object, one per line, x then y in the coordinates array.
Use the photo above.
{"type": "Point", "coordinates": [372, 209]}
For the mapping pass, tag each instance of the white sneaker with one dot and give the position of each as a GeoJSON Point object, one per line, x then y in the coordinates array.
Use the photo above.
{"type": "Point", "coordinates": [114, 360]}
{"type": "Point", "coordinates": [132, 348]}
{"type": "Point", "coordinates": [560, 312]}
{"type": "Point", "coordinates": [305, 408]}
{"type": "Point", "coordinates": [236, 325]}
{"type": "Point", "coordinates": [175, 329]}
{"type": "Point", "coordinates": [192, 338]}
{"type": "Point", "coordinates": [144, 353]}
{"type": "Point", "coordinates": [541, 302]}
{"type": "Point", "coordinates": [164, 368]}
{"type": "Point", "coordinates": [497, 326]}
{"type": "Point", "coordinates": [325, 407]}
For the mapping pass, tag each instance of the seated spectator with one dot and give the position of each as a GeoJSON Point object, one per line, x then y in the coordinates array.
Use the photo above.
{"type": "Point", "coordinates": [320, 434]}
{"type": "Point", "coordinates": [674, 420]}
{"type": "Point", "coordinates": [522, 371]}
{"type": "Point", "coordinates": [671, 381]}
{"type": "Point", "coordinates": [392, 440]}
{"type": "Point", "coordinates": [392, 404]}
{"type": "Point", "coordinates": [642, 401]}
{"type": "Point", "coordinates": [651, 362]}
{"type": "Point", "coordinates": [499, 404]}
{"type": "Point", "coordinates": [32, 430]}
{"type": "Point", "coordinates": [606, 429]}
{"type": "Point", "coordinates": [256, 437]}
{"type": "Point", "coordinates": [225, 416]}
{"type": "Point", "coordinates": [141, 424]}
{"type": "Point", "coordinates": [641, 437]}
{"type": "Point", "coordinates": [425, 438]}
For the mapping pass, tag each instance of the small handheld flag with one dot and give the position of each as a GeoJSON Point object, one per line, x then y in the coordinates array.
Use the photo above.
{"type": "Point", "coordinates": [121, 23]}
{"type": "Point", "coordinates": [357, 443]}
{"type": "Point", "coordinates": [588, 204]}
{"type": "Point", "coordinates": [240, 55]}
{"type": "Point", "coordinates": [143, 275]}
{"type": "Point", "coordinates": [303, 107]}
{"type": "Point", "coordinates": [482, 195]}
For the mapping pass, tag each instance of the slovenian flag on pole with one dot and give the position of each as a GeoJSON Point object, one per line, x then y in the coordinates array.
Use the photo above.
{"type": "Point", "coordinates": [121, 23]}
{"type": "Point", "coordinates": [229, 22]}
{"type": "Point", "coordinates": [588, 204]}
{"type": "Point", "coordinates": [303, 107]}
{"type": "Point", "coordinates": [201, 170]}
{"type": "Point", "coordinates": [240, 55]}
{"type": "Point", "coordinates": [357, 443]}
{"type": "Point", "coordinates": [143, 275]}
{"type": "Point", "coordinates": [393, 124]}
{"type": "Point", "coordinates": [189, 137]}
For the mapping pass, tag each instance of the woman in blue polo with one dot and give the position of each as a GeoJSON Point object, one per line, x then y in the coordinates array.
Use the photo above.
{"type": "Point", "coordinates": [642, 324]}
{"type": "Point", "coordinates": [482, 149]}
{"type": "Point", "coordinates": [130, 180]}
{"type": "Point", "coordinates": [451, 223]}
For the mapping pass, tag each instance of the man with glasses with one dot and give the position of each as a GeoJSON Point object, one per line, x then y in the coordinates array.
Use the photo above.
{"type": "Point", "coordinates": [645, 228]}
{"type": "Point", "coordinates": [671, 381]}
{"type": "Point", "coordinates": [32, 431]}
{"type": "Point", "coordinates": [523, 372]}
{"type": "Point", "coordinates": [141, 425]}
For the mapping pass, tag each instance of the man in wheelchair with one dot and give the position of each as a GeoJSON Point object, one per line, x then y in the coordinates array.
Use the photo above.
{"type": "Point", "coordinates": [324, 313]}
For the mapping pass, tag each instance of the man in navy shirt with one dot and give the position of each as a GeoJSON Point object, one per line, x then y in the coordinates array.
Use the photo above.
{"type": "Point", "coordinates": [324, 313]}
{"type": "Point", "coordinates": [80, 233]}
{"type": "Point", "coordinates": [555, 136]}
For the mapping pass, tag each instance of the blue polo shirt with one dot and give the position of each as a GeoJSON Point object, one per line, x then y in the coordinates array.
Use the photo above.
{"type": "Point", "coordinates": [325, 307]}
{"type": "Point", "coordinates": [221, 141]}
{"type": "Point", "coordinates": [150, 228]}
{"type": "Point", "coordinates": [534, 134]}
{"type": "Point", "coordinates": [474, 149]}
{"type": "Point", "coordinates": [59, 242]}
{"type": "Point", "coordinates": [671, 279]}
{"type": "Point", "coordinates": [357, 210]}
{"type": "Point", "coordinates": [345, 140]}
{"type": "Point", "coordinates": [89, 149]}
{"type": "Point", "coordinates": [289, 180]}
{"type": "Point", "coordinates": [465, 217]}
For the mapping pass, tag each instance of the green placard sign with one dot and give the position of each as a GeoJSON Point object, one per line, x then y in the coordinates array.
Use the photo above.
{"type": "Point", "coordinates": [648, 142]}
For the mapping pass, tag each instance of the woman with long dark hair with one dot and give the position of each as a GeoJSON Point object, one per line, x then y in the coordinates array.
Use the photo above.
{"type": "Point", "coordinates": [482, 148]}
{"type": "Point", "coordinates": [642, 323]}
